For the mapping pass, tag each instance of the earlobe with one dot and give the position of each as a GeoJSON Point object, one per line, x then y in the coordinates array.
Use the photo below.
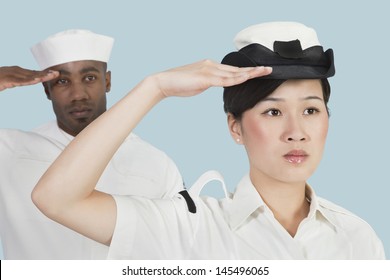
{"type": "Point", "coordinates": [234, 128]}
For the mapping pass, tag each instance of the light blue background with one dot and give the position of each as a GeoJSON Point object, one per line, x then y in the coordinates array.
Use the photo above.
{"type": "Point", "coordinates": [155, 35]}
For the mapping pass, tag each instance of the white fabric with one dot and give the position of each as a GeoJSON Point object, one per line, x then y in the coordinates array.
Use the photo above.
{"type": "Point", "coordinates": [72, 45]}
{"type": "Point", "coordinates": [137, 168]}
{"type": "Point", "coordinates": [238, 227]}
{"type": "Point", "coordinates": [267, 33]}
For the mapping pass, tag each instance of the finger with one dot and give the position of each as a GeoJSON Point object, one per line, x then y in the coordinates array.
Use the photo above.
{"type": "Point", "coordinates": [7, 85]}
{"type": "Point", "coordinates": [39, 76]}
{"type": "Point", "coordinates": [25, 74]}
{"type": "Point", "coordinates": [49, 75]}
{"type": "Point", "coordinates": [252, 72]}
{"type": "Point", "coordinates": [260, 71]}
{"type": "Point", "coordinates": [231, 68]}
{"type": "Point", "coordinates": [227, 79]}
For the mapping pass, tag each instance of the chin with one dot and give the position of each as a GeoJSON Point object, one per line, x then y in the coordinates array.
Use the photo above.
{"type": "Point", "coordinates": [296, 176]}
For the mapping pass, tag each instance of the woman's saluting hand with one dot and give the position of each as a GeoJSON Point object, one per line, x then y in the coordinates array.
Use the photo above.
{"type": "Point", "coordinates": [192, 79]}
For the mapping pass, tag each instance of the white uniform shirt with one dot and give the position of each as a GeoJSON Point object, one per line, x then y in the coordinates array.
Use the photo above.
{"type": "Point", "coordinates": [137, 168]}
{"type": "Point", "coordinates": [238, 227]}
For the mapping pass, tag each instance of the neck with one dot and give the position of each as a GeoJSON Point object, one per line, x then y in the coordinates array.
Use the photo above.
{"type": "Point", "coordinates": [286, 200]}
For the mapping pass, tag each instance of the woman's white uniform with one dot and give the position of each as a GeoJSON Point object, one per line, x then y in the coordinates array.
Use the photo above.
{"type": "Point", "coordinates": [240, 226]}
{"type": "Point", "coordinates": [137, 169]}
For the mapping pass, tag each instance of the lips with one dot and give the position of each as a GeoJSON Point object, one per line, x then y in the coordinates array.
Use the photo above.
{"type": "Point", "coordinates": [80, 112]}
{"type": "Point", "coordinates": [296, 156]}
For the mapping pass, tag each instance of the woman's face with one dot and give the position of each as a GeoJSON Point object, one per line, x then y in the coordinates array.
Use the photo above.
{"type": "Point", "coordinates": [284, 134]}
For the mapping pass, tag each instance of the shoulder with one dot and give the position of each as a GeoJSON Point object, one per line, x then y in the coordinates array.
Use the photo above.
{"type": "Point", "coordinates": [136, 150]}
{"type": "Point", "coordinates": [361, 236]}
{"type": "Point", "coordinates": [137, 158]}
{"type": "Point", "coordinates": [135, 144]}
{"type": "Point", "coordinates": [17, 138]}
{"type": "Point", "coordinates": [7, 133]}
{"type": "Point", "coordinates": [211, 207]}
{"type": "Point", "coordinates": [28, 144]}
{"type": "Point", "coordinates": [341, 216]}
{"type": "Point", "coordinates": [46, 127]}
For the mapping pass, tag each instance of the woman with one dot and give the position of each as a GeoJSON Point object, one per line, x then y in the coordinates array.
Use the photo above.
{"type": "Point", "coordinates": [281, 118]}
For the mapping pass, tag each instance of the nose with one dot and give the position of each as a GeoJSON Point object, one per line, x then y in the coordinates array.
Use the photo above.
{"type": "Point", "coordinates": [78, 92]}
{"type": "Point", "coordinates": [294, 130]}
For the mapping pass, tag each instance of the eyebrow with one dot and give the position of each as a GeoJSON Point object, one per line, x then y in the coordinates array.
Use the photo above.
{"type": "Point", "coordinates": [82, 71]}
{"type": "Point", "coordinates": [89, 69]}
{"type": "Point", "coordinates": [278, 99]}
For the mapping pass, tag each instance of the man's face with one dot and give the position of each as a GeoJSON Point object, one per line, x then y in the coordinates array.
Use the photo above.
{"type": "Point", "coordinates": [78, 95]}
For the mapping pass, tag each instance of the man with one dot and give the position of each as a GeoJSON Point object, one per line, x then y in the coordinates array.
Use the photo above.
{"type": "Point", "coordinates": [78, 96]}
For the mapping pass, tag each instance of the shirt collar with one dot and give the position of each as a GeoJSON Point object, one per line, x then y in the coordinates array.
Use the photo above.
{"type": "Point", "coordinates": [316, 210]}
{"type": "Point", "coordinates": [312, 198]}
{"type": "Point", "coordinates": [247, 200]}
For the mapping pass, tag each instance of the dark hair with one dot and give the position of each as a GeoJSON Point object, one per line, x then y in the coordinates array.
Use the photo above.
{"type": "Point", "coordinates": [240, 98]}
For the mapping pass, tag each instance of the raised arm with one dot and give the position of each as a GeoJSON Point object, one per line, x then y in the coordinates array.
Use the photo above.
{"type": "Point", "coordinates": [66, 192]}
{"type": "Point", "coordinates": [13, 76]}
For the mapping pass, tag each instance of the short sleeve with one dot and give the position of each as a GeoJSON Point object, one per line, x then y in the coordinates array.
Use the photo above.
{"type": "Point", "coordinates": [152, 228]}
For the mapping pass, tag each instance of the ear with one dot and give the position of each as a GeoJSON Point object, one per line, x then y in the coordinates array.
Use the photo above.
{"type": "Point", "coordinates": [108, 81]}
{"type": "Point", "coordinates": [234, 128]}
{"type": "Point", "coordinates": [47, 90]}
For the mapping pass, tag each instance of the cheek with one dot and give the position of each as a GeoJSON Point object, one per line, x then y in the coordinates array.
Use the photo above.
{"type": "Point", "coordinates": [101, 101]}
{"type": "Point", "coordinates": [257, 134]}
{"type": "Point", "coordinates": [57, 103]}
{"type": "Point", "coordinates": [322, 129]}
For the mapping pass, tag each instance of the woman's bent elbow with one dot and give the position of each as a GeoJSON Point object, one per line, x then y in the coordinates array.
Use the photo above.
{"type": "Point", "coordinates": [43, 202]}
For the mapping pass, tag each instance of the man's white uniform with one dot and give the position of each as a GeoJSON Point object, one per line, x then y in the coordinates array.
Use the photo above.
{"type": "Point", "coordinates": [137, 168]}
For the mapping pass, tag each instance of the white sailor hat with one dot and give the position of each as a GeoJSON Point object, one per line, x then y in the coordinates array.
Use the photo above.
{"type": "Point", "coordinates": [290, 48]}
{"type": "Point", "coordinates": [72, 45]}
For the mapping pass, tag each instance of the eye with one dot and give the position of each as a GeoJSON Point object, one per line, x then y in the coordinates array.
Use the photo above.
{"type": "Point", "coordinates": [62, 81]}
{"type": "Point", "coordinates": [273, 112]}
{"type": "Point", "coordinates": [90, 78]}
{"type": "Point", "coordinates": [311, 111]}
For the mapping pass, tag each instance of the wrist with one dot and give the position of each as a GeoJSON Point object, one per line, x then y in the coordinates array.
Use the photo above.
{"type": "Point", "coordinates": [152, 85]}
